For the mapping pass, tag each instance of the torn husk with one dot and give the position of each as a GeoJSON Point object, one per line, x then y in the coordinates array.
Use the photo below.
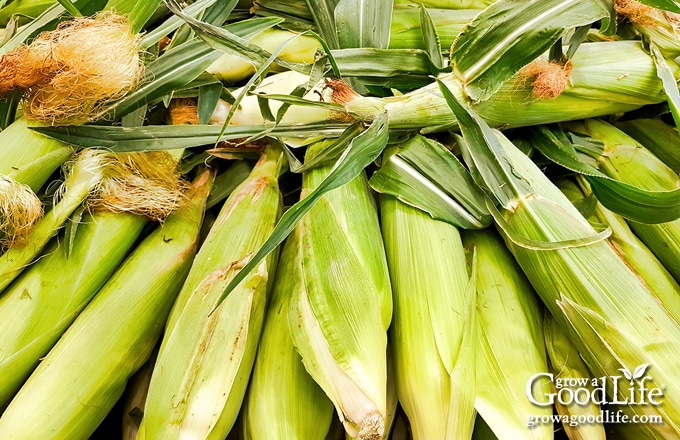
{"type": "Point", "coordinates": [68, 74]}
{"type": "Point", "coordinates": [20, 209]}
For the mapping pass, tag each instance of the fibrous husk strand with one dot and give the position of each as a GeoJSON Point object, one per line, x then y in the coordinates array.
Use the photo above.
{"type": "Point", "coordinates": [69, 74]}
{"type": "Point", "coordinates": [183, 111]}
{"type": "Point", "coordinates": [548, 78]}
{"type": "Point", "coordinates": [635, 11]}
{"type": "Point", "coordinates": [20, 210]}
{"type": "Point", "coordinates": [145, 183]}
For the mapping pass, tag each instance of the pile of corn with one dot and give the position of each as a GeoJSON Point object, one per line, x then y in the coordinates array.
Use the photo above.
{"type": "Point", "coordinates": [335, 219]}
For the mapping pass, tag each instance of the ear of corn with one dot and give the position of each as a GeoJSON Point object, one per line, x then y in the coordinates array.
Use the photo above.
{"type": "Point", "coordinates": [85, 373]}
{"type": "Point", "coordinates": [206, 357]}
{"type": "Point", "coordinates": [40, 305]}
{"type": "Point", "coordinates": [624, 159]}
{"type": "Point", "coordinates": [431, 303]}
{"type": "Point", "coordinates": [30, 157]}
{"type": "Point", "coordinates": [601, 82]}
{"type": "Point", "coordinates": [565, 363]}
{"type": "Point", "coordinates": [279, 384]}
{"type": "Point", "coordinates": [631, 249]}
{"type": "Point", "coordinates": [298, 49]}
{"type": "Point", "coordinates": [510, 345]}
{"type": "Point", "coordinates": [84, 176]}
{"type": "Point", "coordinates": [340, 315]}
{"type": "Point", "coordinates": [581, 280]}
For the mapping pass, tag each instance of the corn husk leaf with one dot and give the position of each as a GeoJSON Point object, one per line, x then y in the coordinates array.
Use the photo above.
{"type": "Point", "coordinates": [138, 12]}
{"type": "Point", "coordinates": [324, 20]}
{"type": "Point", "coordinates": [406, 30]}
{"type": "Point", "coordinates": [29, 157]}
{"type": "Point", "coordinates": [424, 174]}
{"type": "Point", "coordinates": [664, 240]}
{"type": "Point", "coordinates": [667, 5]}
{"type": "Point", "coordinates": [177, 67]}
{"type": "Point", "coordinates": [657, 136]}
{"type": "Point", "coordinates": [362, 23]}
{"type": "Point", "coordinates": [168, 137]}
{"type": "Point", "coordinates": [670, 85]}
{"type": "Point", "coordinates": [630, 248]}
{"type": "Point", "coordinates": [229, 42]}
{"type": "Point", "coordinates": [84, 176]}
{"type": "Point", "coordinates": [154, 35]}
{"type": "Point", "coordinates": [631, 200]}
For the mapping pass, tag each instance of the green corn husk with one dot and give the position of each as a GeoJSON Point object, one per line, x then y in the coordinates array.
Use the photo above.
{"type": "Point", "coordinates": [664, 240]}
{"type": "Point", "coordinates": [406, 30]}
{"type": "Point", "coordinates": [565, 363]}
{"type": "Point", "coordinates": [340, 315]}
{"type": "Point", "coordinates": [430, 331]}
{"type": "Point", "coordinates": [629, 161]}
{"type": "Point", "coordinates": [446, 4]}
{"type": "Point", "coordinates": [83, 376]}
{"type": "Point", "coordinates": [279, 384]}
{"type": "Point", "coordinates": [85, 174]}
{"type": "Point", "coordinates": [603, 81]}
{"type": "Point", "coordinates": [589, 290]}
{"type": "Point", "coordinates": [300, 49]}
{"type": "Point", "coordinates": [293, 8]}
{"type": "Point", "coordinates": [630, 248]}
{"type": "Point", "coordinates": [205, 360]}
{"type": "Point", "coordinates": [23, 9]}
{"type": "Point", "coordinates": [40, 305]}
{"type": "Point", "coordinates": [29, 157]}
{"type": "Point", "coordinates": [659, 138]}
{"type": "Point", "coordinates": [510, 347]}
